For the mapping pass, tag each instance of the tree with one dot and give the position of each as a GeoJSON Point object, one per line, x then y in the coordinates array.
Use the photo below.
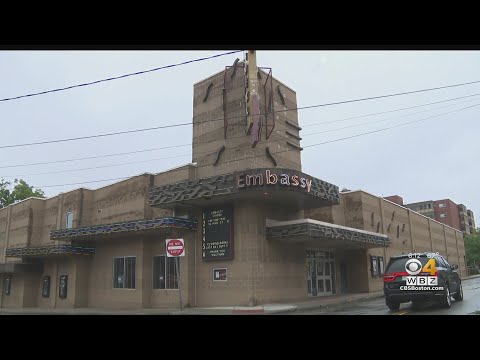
{"type": "Point", "coordinates": [21, 191]}
{"type": "Point", "coordinates": [472, 248]}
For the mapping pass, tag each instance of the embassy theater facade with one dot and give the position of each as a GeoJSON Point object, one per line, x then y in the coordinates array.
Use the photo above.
{"type": "Point", "coordinates": [256, 229]}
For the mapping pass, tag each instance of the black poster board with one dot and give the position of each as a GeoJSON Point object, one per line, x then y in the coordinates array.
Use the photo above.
{"type": "Point", "coordinates": [46, 286]}
{"type": "Point", "coordinates": [373, 266]}
{"type": "Point", "coordinates": [217, 233]}
{"type": "Point", "coordinates": [62, 287]}
{"type": "Point", "coordinates": [7, 283]}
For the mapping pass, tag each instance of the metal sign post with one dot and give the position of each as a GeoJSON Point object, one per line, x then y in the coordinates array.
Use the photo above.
{"type": "Point", "coordinates": [177, 266]}
{"type": "Point", "coordinates": [176, 248]}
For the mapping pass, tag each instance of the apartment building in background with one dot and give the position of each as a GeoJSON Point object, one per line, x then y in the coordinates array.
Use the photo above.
{"type": "Point", "coordinates": [445, 211]}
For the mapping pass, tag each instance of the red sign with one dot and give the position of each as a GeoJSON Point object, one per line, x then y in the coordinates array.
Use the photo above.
{"type": "Point", "coordinates": [175, 247]}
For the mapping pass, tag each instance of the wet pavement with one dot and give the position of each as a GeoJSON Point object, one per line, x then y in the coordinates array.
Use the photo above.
{"type": "Point", "coordinates": [470, 305]}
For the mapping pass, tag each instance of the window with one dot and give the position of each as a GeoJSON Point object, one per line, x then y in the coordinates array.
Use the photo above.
{"type": "Point", "coordinates": [443, 215]}
{"type": "Point", "coordinates": [7, 284]}
{"type": "Point", "coordinates": [63, 287]}
{"type": "Point", "coordinates": [46, 286]}
{"type": "Point", "coordinates": [373, 266]}
{"type": "Point", "coordinates": [164, 273]}
{"type": "Point", "coordinates": [381, 270]}
{"type": "Point", "coordinates": [442, 205]}
{"type": "Point", "coordinates": [398, 231]}
{"type": "Point", "coordinates": [69, 218]}
{"type": "Point", "coordinates": [429, 206]}
{"type": "Point", "coordinates": [124, 272]}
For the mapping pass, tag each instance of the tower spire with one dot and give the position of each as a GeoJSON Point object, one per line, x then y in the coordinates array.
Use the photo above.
{"type": "Point", "coordinates": [252, 97]}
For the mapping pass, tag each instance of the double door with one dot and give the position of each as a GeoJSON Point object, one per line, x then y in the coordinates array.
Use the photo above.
{"type": "Point", "coordinates": [320, 271]}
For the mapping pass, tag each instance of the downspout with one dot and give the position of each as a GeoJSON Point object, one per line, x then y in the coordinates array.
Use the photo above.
{"type": "Point", "coordinates": [7, 232]}
{"type": "Point", "coordinates": [195, 255]}
{"type": "Point", "coordinates": [195, 269]}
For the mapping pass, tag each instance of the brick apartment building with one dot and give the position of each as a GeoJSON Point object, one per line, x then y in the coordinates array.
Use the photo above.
{"type": "Point", "coordinates": [444, 211]}
{"type": "Point", "coordinates": [256, 228]}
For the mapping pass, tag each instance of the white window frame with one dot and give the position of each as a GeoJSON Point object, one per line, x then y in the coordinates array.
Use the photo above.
{"type": "Point", "coordinates": [443, 216]}
{"type": "Point", "coordinates": [165, 272]}
{"type": "Point", "coordinates": [124, 272]}
{"type": "Point", "coordinates": [442, 205]}
{"type": "Point", "coordinates": [66, 220]}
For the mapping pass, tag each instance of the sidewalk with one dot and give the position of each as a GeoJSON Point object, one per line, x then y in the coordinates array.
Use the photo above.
{"type": "Point", "coordinates": [313, 303]}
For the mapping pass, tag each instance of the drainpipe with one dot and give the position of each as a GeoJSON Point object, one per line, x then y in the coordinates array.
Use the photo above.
{"type": "Point", "coordinates": [195, 268]}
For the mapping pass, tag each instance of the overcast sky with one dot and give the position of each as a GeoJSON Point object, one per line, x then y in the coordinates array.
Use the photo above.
{"type": "Point", "coordinates": [428, 160]}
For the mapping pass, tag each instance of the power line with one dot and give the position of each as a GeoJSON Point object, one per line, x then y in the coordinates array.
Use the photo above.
{"type": "Point", "coordinates": [96, 167]}
{"type": "Point", "coordinates": [388, 128]}
{"type": "Point", "coordinates": [95, 136]}
{"type": "Point", "coordinates": [389, 111]}
{"type": "Point", "coordinates": [305, 147]}
{"type": "Point", "coordinates": [208, 152]}
{"type": "Point", "coordinates": [391, 95]}
{"type": "Point", "coordinates": [119, 77]}
{"type": "Point", "coordinates": [93, 157]}
{"type": "Point", "coordinates": [235, 117]}
{"type": "Point", "coordinates": [383, 120]}
{"type": "Point", "coordinates": [83, 182]}
{"type": "Point", "coordinates": [353, 136]}
{"type": "Point", "coordinates": [202, 152]}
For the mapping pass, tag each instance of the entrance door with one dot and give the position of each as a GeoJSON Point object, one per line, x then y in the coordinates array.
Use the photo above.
{"type": "Point", "coordinates": [320, 271]}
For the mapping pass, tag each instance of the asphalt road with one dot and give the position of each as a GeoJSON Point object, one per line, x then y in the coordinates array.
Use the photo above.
{"type": "Point", "coordinates": [469, 305]}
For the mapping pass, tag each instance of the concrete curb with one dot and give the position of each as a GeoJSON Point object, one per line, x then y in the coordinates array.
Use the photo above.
{"type": "Point", "coordinates": [471, 277]}
{"type": "Point", "coordinates": [339, 302]}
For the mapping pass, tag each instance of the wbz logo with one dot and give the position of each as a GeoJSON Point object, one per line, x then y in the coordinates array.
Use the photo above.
{"type": "Point", "coordinates": [414, 267]}
{"type": "Point", "coordinates": [421, 280]}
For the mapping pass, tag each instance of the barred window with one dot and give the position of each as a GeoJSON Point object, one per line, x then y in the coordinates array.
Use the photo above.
{"type": "Point", "coordinates": [164, 272]}
{"type": "Point", "coordinates": [124, 272]}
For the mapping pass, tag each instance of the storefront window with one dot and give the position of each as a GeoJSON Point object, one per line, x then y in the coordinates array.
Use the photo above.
{"type": "Point", "coordinates": [164, 272]}
{"type": "Point", "coordinates": [124, 272]}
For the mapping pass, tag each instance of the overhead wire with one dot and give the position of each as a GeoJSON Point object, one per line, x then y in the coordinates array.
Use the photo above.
{"type": "Point", "coordinates": [119, 77]}
{"type": "Point", "coordinates": [223, 119]}
{"type": "Point", "coordinates": [305, 147]}
{"type": "Point", "coordinates": [206, 152]}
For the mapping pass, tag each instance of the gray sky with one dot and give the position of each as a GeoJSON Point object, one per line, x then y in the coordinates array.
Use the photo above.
{"type": "Point", "coordinates": [428, 160]}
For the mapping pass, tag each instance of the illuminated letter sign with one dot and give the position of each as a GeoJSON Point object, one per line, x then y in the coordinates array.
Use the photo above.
{"type": "Point", "coordinates": [274, 178]}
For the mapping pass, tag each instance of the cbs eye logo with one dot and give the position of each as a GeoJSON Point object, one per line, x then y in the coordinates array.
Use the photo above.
{"type": "Point", "coordinates": [414, 267]}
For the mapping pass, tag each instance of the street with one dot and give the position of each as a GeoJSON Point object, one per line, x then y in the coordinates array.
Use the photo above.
{"type": "Point", "coordinates": [470, 305]}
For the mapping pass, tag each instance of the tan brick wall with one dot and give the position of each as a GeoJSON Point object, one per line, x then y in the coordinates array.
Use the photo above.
{"type": "Point", "coordinates": [15, 299]}
{"type": "Point", "coordinates": [208, 135]}
{"type": "Point", "coordinates": [49, 269]}
{"type": "Point", "coordinates": [261, 271]}
{"type": "Point", "coordinates": [424, 234]}
{"type": "Point", "coordinates": [124, 201]}
{"type": "Point", "coordinates": [65, 267]}
{"type": "Point", "coordinates": [101, 292]}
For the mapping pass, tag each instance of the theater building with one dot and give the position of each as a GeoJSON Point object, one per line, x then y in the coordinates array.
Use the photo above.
{"type": "Point", "coordinates": [256, 229]}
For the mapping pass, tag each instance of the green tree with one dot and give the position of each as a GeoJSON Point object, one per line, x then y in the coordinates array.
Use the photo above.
{"type": "Point", "coordinates": [21, 191]}
{"type": "Point", "coordinates": [472, 248]}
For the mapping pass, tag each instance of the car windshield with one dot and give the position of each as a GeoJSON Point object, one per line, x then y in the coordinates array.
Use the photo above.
{"type": "Point", "coordinates": [398, 264]}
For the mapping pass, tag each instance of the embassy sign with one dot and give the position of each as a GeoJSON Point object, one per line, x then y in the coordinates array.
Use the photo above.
{"type": "Point", "coordinates": [253, 180]}
{"type": "Point", "coordinates": [274, 178]}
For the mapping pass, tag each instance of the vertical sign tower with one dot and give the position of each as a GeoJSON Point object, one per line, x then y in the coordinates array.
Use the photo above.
{"type": "Point", "coordinates": [252, 97]}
